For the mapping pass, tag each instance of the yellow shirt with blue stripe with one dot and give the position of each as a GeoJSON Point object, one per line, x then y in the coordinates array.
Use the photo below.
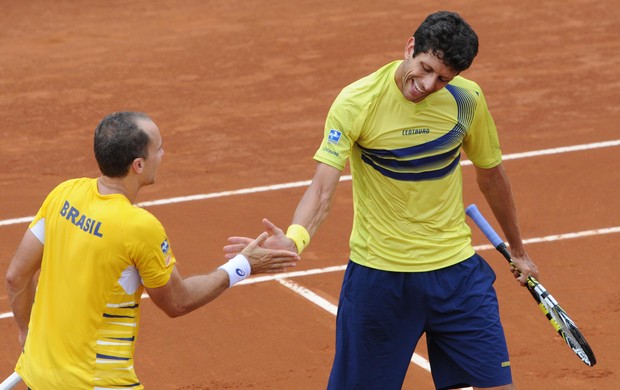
{"type": "Point", "coordinates": [405, 162]}
{"type": "Point", "coordinates": [99, 252]}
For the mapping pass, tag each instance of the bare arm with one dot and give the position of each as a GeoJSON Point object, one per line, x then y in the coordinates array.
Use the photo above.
{"type": "Point", "coordinates": [315, 204]}
{"type": "Point", "coordinates": [495, 186]}
{"type": "Point", "coordinates": [180, 296]}
{"type": "Point", "coordinates": [20, 281]}
{"type": "Point", "coordinates": [311, 211]}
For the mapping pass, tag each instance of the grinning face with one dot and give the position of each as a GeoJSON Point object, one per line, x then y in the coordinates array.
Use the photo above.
{"type": "Point", "coordinates": [419, 76]}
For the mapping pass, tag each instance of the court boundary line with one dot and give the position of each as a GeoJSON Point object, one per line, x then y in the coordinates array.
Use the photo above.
{"type": "Point", "coordinates": [304, 183]}
{"type": "Point", "coordinates": [336, 268]}
{"type": "Point", "coordinates": [323, 303]}
{"type": "Point", "coordinates": [416, 358]}
{"type": "Point", "coordinates": [484, 247]}
{"type": "Point", "coordinates": [326, 305]}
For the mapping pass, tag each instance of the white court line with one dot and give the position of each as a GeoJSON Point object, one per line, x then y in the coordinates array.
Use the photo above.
{"type": "Point", "coordinates": [416, 359]}
{"type": "Point", "coordinates": [323, 303]}
{"type": "Point", "coordinates": [554, 237]}
{"type": "Point", "coordinates": [275, 187]}
{"type": "Point", "coordinates": [310, 295]}
{"type": "Point", "coordinates": [331, 308]}
{"type": "Point", "coordinates": [335, 268]}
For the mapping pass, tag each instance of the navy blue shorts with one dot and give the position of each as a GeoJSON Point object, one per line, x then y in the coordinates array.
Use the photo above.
{"type": "Point", "coordinates": [382, 315]}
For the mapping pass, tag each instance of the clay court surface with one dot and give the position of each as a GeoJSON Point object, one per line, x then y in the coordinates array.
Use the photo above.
{"type": "Point", "coordinates": [240, 91]}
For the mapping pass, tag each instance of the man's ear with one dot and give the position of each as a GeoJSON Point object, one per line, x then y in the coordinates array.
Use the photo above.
{"type": "Point", "coordinates": [137, 165]}
{"type": "Point", "coordinates": [409, 47]}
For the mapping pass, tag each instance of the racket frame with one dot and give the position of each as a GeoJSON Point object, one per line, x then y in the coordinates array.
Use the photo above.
{"type": "Point", "coordinates": [559, 319]}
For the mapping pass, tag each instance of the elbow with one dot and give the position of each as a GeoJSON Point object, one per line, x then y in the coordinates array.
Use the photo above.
{"type": "Point", "coordinates": [14, 282]}
{"type": "Point", "coordinates": [174, 314]}
{"type": "Point", "coordinates": [487, 178]}
{"type": "Point", "coordinates": [9, 280]}
{"type": "Point", "coordinates": [483, 184]}
{"type": "Point", "coordinates": [177, 310]}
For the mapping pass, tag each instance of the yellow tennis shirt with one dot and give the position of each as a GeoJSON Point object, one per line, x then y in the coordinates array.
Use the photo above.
{"type": "Point", "coordinates": [99, 253]}
{"type": "Point", "coordinates": [405, 162]}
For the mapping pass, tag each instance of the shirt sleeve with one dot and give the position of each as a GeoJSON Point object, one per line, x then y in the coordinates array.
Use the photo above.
{"type": "Point", "coordinates": [342, 129]}
{"type": "Point", "coordinates": [153, 255]}
{"type": "Point", "coordinates": [37, 225]}
{"type": "Point", "coordinates": [481, 144]}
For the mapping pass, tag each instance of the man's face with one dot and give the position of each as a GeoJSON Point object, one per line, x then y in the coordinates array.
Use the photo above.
{"type": "Point", "coordinates": [422, 75]}
{"type": "Point", "coordinates": [156, 151]}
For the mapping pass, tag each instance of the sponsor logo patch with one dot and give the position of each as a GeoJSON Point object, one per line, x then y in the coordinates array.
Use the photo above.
{"type": "Point", "coordinates": [334, 136]}
{"type": "Point", "coordinates": [165, 246]}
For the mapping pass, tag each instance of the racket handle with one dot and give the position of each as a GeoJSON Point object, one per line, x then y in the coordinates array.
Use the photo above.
{"type": "Point", "coordinates": [476, 216]}
{"type": "Point", "coordinates": [10, 382]}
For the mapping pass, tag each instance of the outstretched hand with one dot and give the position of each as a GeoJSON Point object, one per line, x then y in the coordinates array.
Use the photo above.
{"type": "Point", "coordinates": [266, 260]}
{"type": "Point", "coordinates": [276, 240]}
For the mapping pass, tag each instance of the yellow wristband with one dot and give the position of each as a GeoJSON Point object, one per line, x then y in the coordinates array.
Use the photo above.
{"type": "Point", "coordinates": [299, 235]}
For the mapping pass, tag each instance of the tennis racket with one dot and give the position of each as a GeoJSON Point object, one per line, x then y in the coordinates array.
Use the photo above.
{"type": "Point", "coordinates": [558, 318]}
{"type": "Point", "coordinates": [10, 382]}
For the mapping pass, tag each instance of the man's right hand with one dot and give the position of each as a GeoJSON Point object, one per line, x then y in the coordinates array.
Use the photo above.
{"type": "Point", "coordinates": [261, 255]}
{"type": "Point", "coordinates": [276, 240]}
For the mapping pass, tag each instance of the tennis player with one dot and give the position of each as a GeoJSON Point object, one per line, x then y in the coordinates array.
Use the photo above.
{"type": "Point", "coordinates": [412, 267]}
{"type": "Point", "coordinates": [97, 253]}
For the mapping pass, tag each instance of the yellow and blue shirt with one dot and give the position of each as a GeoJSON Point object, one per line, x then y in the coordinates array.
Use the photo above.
{"type": "Point", "coordinates": [99, 252]}
{"type": "Point", "coordinates": [405, 162]}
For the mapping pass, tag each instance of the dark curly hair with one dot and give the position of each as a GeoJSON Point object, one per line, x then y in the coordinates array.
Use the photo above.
{"type": "Point", "coordinates": [119, 141]}
{"type": "Point", "coordinates": [446, 35]}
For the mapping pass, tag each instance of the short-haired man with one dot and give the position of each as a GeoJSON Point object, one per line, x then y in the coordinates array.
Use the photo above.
{"type": "Point", "coordinates": [97, 253]}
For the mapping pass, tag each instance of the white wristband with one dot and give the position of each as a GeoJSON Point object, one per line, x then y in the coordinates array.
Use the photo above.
{"type": "Point", "coordinates": [237, 268]}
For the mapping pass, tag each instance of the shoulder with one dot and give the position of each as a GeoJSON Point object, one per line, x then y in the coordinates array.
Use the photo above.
{"type": "Point", "coordinates": [138, 218]}
{"type": "Point", "coordinates": [460, 81]}
{"type": "Point", "coordinates": [70, 185]}
{"type": "Point", "coordinates": [463, 83]}
{"type": "Point", "coordinates": [373, 82]}
{"type": "Point", "coordinates": [467, 93]}
{"type": "Point", "coordinates": [366, 90]}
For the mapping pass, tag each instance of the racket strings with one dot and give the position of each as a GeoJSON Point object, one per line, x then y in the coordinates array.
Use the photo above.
{"type": "Point", "coordinates": [567, 328]}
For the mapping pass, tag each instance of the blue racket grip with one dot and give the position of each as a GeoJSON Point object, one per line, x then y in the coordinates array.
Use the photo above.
{"type": "Point", "coordinates": [475, 214]}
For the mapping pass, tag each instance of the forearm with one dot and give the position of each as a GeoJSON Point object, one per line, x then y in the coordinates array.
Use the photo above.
{"type": "Point", "coordinates": [21, 300]}
{"type": "Point", "coordinates": [21, 282]}
{"type": "Point", "coordinates": [498, 194]}
{"type": "Point", "coordinates": [313, 207]}
{"type": "Point", "coordinates": [315, 204]}
{"type": "Point", "coordinates": [181, 296]}
{"type": "Point", "coordinates": [201, 289]}
{"type": "Point", "coordinates": [312, 210]}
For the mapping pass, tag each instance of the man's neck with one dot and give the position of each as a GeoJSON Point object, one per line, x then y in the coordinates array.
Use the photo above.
{"type": "Point", "coordinates": [110, 185]}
